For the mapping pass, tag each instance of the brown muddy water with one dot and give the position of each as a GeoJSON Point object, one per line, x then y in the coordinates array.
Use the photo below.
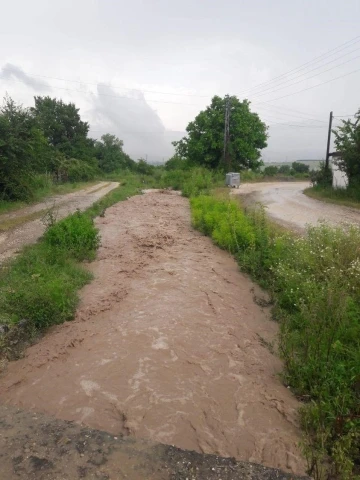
{"type": "Point", "coordinates": [167, 345]}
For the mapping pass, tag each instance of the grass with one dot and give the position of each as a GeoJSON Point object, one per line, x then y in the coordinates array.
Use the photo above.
{"type": "Point", "coordinates": [314, 281]}
{"type": "Point", "coordinates": [40, 285]}
{"type": "Point", "coordinates": [339, 196]}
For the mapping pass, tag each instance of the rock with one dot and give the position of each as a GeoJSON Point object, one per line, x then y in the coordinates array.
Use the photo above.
{"type": "Point", "coordinates": [4, 329]}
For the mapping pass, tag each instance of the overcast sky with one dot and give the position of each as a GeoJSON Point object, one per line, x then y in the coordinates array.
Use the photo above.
{"type": "Point", "coordinates": [143, 69]}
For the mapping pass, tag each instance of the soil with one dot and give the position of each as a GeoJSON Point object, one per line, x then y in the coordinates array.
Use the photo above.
{"type": "Point", "coordinates": [37, 447]}
{"type": "Point", "coordinates": [168, 345]}
{"type": "Point", "coordinates": [29, 224]}
{"type": "Point", "coordinates": [287, 204]}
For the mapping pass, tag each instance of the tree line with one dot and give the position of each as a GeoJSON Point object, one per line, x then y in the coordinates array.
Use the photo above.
{"type": "Point", "coordinates": [50, 138]}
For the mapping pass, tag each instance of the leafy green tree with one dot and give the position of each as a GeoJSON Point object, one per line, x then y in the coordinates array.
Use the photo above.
{"type": "Point", "coordinates": [144, 168]}
{"type": "Point", "coordinates": [110, 154]}
{"type": "Point", "coordinates": [23, 151]}
{"type": "Point", "coordinates": [285, 169]}
{"type": "Point", "coordinates": [177, 163]}
{"type": "Point", "coordinates": [63, 127]}
{"type": "Point", "coordinates": [347, 141]}
{"type": "Point", "coordinates": [204, 143]}
{"type": "Point", "coordinates": [299, 167]}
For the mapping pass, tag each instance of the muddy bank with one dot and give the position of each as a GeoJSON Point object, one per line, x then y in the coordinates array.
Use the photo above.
{"type": "Point", "coordinates": [37, 447]}
{"type": "Point", "coordinates": [168, 345]}
{"type": "Point", "coordinates": [29, 221]}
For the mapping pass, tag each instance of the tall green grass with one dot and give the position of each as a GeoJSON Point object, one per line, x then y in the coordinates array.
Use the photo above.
{"type": "Point", "coordinates": [315, 284]}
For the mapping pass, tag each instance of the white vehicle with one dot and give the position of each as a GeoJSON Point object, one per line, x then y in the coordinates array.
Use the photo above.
{"type": "Point", "coordinates": [232, 180]}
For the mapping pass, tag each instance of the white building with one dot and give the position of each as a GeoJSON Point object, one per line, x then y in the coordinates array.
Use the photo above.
{"type": "Point", "coordinates": [340, 179]}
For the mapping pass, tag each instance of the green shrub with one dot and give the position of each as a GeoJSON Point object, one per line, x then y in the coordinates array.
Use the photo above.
{"type": "Point", "coordinates": [75, 234]}
{"type": "Point", "coordinates": [192, 182]}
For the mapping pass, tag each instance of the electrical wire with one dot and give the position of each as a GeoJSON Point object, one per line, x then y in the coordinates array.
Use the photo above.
{"type": "Point", "coordinates": [308, 78]}
{"type": "Point", "coordinates": [314, 86]}
{"type": "Point", "coordinates": [353, 41]}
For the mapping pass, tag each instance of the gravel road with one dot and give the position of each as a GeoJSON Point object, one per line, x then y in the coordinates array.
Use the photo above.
{"type": "Point", "coordinates": [167, 345]}
{"type": "Point", "coordinates": [286, 203]}
{"type": "Point", "coordinates": [32, 226]}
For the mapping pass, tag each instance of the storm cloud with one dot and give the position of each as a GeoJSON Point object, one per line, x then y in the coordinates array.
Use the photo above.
{"type": "Point", "coordinates": [12, 72]}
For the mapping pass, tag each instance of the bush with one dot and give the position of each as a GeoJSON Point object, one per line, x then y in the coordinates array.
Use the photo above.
{"type": "Point", "coordinates": [322, 177]}
{"type": "Point", "coordinates": [76, 235]}
{"type": "Point", "coordinates": [40, 286]}
{"type": "Point", "coordinates": [74, 170]}
{"type": "Point", "coordinates": [193, 182]}
{"type": "Point", "coordinates": [271, 170]}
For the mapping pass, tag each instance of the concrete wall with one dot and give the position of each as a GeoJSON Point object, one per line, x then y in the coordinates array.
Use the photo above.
{"type": "Point", "coordinates": [340, 179]}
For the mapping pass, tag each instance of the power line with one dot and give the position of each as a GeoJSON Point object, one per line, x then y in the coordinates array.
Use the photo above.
{"type": "Point", "coordinates": [314, 86]}
{"type": "Point", "coordinates": [301, 67]}
{"type": "Point", "coordinates": [304, 79]}
{"type": "Point", "coordinates": [296, 116]}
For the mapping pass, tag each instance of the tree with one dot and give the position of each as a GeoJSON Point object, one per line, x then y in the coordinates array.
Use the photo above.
{"type": "Point", "coordinates": [204, 144]}
{"type": "Point", "coordinates": [23, 151]}
{"type": "Point", "coordinates": [144, 168]}
{"type": "Point", "coordinates": [285, 170]}
{"type": "Point", "coordinates": [63, 127]}
{"type": "Point", "coordinates": [110, 154]}
{"type": "Point", "coordinates": [299, 167]}
{"type": "Point", "coordinates": [347, 141]}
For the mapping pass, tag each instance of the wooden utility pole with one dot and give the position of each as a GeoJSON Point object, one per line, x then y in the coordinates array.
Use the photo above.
{"type": "Point", "coordinates": [328, 142]}
{"type": "Point", "coordinates": [227, 160]}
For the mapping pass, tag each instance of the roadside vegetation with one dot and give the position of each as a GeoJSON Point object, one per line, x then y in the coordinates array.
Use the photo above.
{"type": "Point", "coordinates": [46, 149]}
{"type": "Point", "coordinates": [348, 197]}
{"type": "Point", "coordinates": [315, 285]}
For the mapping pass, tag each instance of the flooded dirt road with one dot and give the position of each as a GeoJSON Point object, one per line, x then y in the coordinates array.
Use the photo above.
{"type": "Point", "coordinates": [28, 221]}
{"type": "Point", "coordinates": [286, 203]}
{"type": "Point", "coordinates": [167, 345]}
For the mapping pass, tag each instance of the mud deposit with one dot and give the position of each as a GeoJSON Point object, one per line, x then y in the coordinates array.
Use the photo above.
{"type": "Point", "coordinates": [168, 345]}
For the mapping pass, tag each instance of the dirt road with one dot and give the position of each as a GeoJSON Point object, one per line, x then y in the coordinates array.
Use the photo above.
{"type": "Point", "coordinates": [286, 203]}
{"type": "Point", "coordinates": [29, 219]}
{"type": "Point", "coordinates": [167, 345]}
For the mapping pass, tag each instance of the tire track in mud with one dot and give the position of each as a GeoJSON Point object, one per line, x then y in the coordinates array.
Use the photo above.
{"type": "Point", "coordinates": [167, 345]}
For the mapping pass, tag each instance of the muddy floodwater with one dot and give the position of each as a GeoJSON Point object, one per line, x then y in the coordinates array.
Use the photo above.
{"type": "Point", "coordinates": [167, 345]}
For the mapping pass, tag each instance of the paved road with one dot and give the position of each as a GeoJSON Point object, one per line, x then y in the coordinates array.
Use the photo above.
{"type": "Point", "coordinates": [286, 202]}
{"type": "Point", "coordinates": [32, 225]}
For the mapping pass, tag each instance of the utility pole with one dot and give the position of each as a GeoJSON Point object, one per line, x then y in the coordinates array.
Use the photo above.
{"type": "Point", "coordinates": [227, 159]}
{"type": "Point", "coordinates": [328, 142]}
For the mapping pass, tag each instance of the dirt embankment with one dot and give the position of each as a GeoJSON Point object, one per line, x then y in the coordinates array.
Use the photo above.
{"type": "Point", "coordinates": [24, 226]}
{"type": "Point", "coordinates": [37, 447]}
{"type": "Point", "coordinates": [167, 345]}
